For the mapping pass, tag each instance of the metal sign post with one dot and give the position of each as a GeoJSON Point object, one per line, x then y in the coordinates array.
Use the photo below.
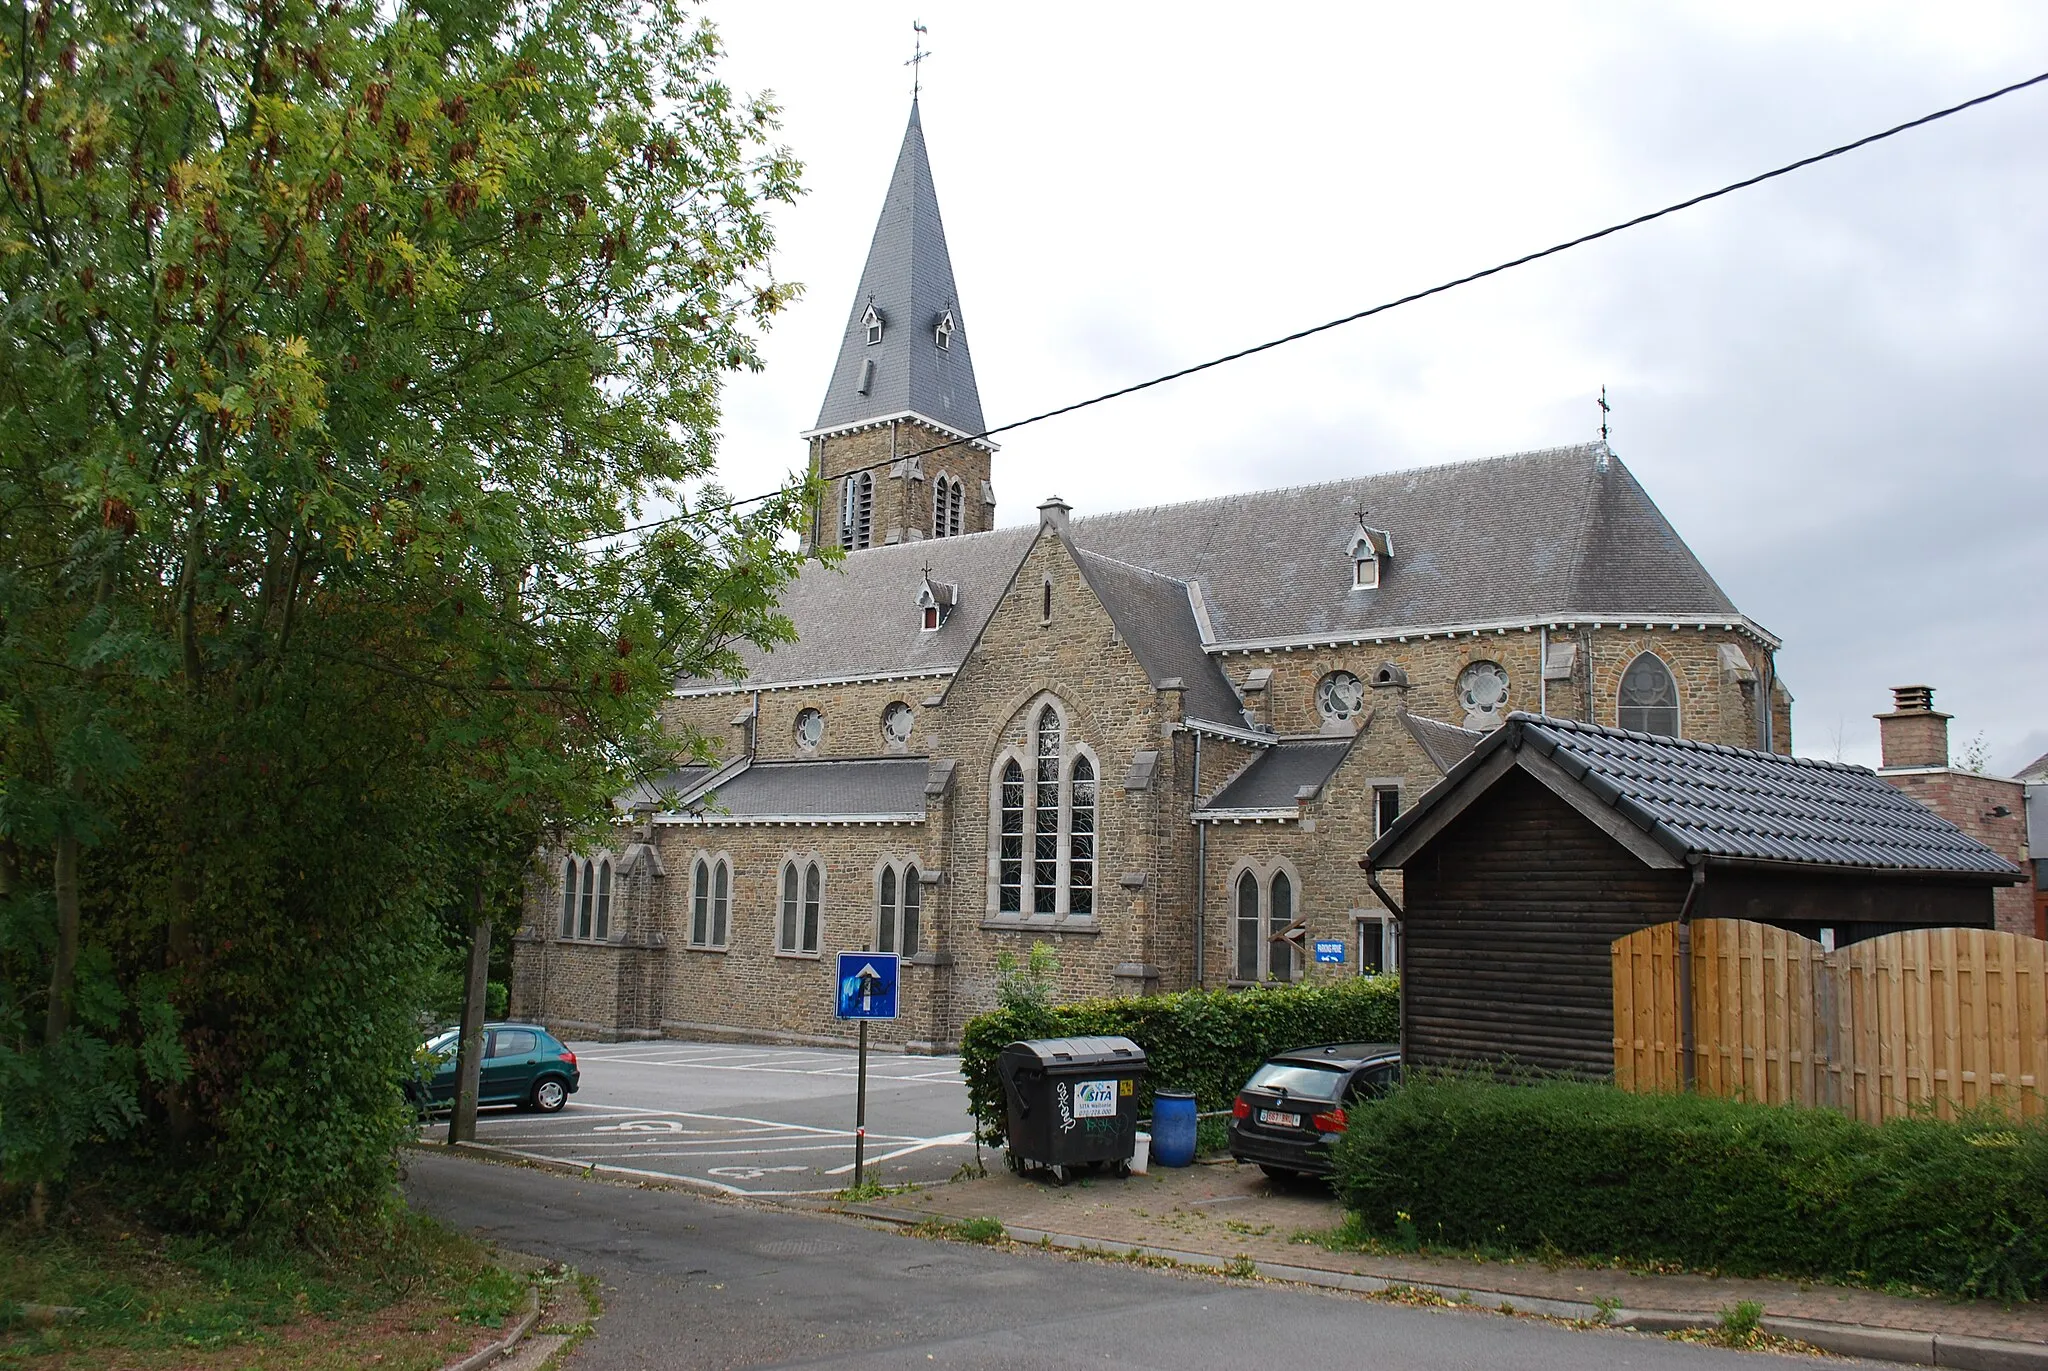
{"type": "Point", "coordinates": [867, 990]}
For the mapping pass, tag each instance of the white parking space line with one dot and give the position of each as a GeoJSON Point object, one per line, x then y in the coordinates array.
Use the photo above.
{"type": "Point", "coordinates": [950, 1140]}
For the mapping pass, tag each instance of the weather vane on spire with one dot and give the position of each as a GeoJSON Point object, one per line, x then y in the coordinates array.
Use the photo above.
{"type": "Point", "coordinates": [917, 56]}
{"type": "Point", "coordinates": [1605, 410]}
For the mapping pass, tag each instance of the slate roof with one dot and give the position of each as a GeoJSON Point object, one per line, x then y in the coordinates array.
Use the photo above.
{"type": "Point", "coordinates": [1157, 620]}
{"type": "Point", "coordinates": [1565, 533]}
{"type": "Point", "coordinates": [909, 278]}
{"type": "Point", "coordinates": [861, 618]}
{"type": "Point", "coordinates": [1276, 775]}
{"type": "Point", "coordinates": [878, 788]}
{"type": "Point", "coordinates": [681, 780]}
{"type": "Point", "coordinates": [1723, 803]}
{"type": "Point", "coordinates": [1445, 744]}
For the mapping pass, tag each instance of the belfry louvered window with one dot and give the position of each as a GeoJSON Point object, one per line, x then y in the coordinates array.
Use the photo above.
{"type": "Point", "coordinates": [955, 503]}
{"type": "Point", "coordinates": [1045, 849]}
{"type": "Point", "coordinates": [857, 511]}
{"type": "Point", "coordinates": [1010, 842]}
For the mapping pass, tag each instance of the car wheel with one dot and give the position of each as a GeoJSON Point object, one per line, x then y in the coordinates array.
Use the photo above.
{"type": "Point", "coordinates": [1280, 1173]}
{"type": "Point", "coordinates": [550, 1095]}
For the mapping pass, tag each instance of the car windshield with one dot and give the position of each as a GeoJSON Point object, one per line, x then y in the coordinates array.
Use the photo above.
{"type": "Point", "coordinates": [1308, 1082]}
{"type": "Point", "coordinates": [443, 1042]}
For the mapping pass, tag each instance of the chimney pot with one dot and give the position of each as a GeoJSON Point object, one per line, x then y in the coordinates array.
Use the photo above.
{"type": "Point", "coordinates": [1914, 734]}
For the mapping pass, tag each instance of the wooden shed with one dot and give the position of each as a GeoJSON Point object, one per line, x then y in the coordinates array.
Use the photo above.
{"type": "Point", "coordinates": [1523, 865]}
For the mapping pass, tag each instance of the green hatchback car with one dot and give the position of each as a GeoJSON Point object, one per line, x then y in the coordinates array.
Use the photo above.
{"type": "Point", "coordinates": [524, 1065]}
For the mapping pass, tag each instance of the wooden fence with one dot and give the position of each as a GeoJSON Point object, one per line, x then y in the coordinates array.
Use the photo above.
{"type": "Point", "coordinates": [1935, 1018]}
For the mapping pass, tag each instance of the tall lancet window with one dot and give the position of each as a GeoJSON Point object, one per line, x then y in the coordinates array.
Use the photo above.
{"type": "Point", "coordinates": [955, 502]}
{"type": "Point", "coordinates": [1010, 843]}
{"type": "Point", "coordinates": [1081, 839]}
{"type": "Point", "coordinates": [1045, 867]}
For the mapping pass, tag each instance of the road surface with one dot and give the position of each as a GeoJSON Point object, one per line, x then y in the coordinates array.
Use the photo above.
{"type": "Point", "coordinates": [693, 1282]}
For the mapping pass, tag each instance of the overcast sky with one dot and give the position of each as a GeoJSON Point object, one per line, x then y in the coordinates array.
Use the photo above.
{"type": "Point", "coordinates": [1836, 386]}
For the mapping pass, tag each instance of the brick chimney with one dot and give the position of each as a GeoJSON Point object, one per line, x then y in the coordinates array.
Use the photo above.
{"type": "Point", "coordinates": [1914, 733]}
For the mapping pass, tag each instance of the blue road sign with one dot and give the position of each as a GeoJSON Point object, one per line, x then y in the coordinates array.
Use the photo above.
{"type": "Point", "coordinates": [867, 985]}
{"type": "Point", "coordinates": [1330, 950]}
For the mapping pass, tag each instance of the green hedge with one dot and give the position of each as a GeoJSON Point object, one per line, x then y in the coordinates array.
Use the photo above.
{"type": "Point", "coordinates": [1204, 1041]}
{"type": "Point", "coordinates": [1595, 1172]}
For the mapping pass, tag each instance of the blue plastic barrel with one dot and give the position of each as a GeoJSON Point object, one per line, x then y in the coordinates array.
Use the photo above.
{"type": "Point", "coordinates": [1173, 1128]}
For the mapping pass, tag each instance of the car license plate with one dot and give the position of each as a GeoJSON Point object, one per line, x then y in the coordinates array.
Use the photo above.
{"type": "Point", "coordinates": [1279, 1119]}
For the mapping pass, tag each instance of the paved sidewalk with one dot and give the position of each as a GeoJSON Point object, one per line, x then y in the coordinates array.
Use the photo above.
{"type": "Point", "coordinates": [1223, 1210]}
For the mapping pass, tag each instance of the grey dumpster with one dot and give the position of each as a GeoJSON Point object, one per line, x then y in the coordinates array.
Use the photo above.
{"type": "Point", "coordinates": [1072, 1102]}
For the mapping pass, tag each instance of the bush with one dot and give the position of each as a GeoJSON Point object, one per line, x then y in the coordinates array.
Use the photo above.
{"type": "Point", "coordinates": [1206, 1041]}
{"type": "Point", "coordinates": [1596, 1172]}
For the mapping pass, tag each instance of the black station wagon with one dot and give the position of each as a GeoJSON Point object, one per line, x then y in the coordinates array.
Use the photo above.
{"type": "Point", "coordinates": [1293, 1108]}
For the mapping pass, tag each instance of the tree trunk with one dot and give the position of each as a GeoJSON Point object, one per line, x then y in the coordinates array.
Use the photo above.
{"type": "Point", "coordinates": [469, 1061]}
{"type": "Point", "coordinates": [65, 886]}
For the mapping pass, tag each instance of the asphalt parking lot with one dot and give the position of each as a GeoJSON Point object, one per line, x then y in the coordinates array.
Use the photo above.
{"type": "Point", "coordinates": [747, 1120]}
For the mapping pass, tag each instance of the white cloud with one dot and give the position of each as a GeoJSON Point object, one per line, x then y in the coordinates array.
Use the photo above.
{"type": "Point", "coordinates": [1831, 384]}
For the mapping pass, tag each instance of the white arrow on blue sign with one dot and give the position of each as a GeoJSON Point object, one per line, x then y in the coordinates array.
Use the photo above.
{"type": "Point", "coordinates": [867, 985]}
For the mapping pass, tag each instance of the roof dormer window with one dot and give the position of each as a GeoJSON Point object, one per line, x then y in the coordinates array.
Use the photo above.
{"type": "Point", "coordinates": [1368, 548]}
{"type": "Point", "coordinates": [872, 322]}
{"type": "Point", "coordinates": [935, 601]}
{"type": "Point", "coordinates": [942, 333]}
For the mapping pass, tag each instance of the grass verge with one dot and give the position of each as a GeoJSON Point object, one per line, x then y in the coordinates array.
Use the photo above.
{"type": "Point", "coordinates": [416, 1297]}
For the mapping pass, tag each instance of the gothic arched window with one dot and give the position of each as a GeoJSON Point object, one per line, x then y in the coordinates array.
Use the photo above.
{"type": "Point", "coordinates": [710, 902]}
{"type": "Point", "coordinates": [1263, 912]}
{"type": "Point", "coordinates": [896, 915]}
{"type": "Point", "coordinates": [1081, 839]}
{"type": "Point", "coordinates": [569, 898]}
{"type": "Point", "coordinates": [1649, 697]}
{"type": "Point", "coordinates": [1010, 841]}
{"type": "Point", "coordinates": [584, 912]}
{"type": "Point", "coordinates": [604, 900]}
{"type": "Point", "coordinates": [1045, 867]}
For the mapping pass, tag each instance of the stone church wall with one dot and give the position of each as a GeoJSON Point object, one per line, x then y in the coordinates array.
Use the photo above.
{"type": "Point", "coordinates": [1111, 709]}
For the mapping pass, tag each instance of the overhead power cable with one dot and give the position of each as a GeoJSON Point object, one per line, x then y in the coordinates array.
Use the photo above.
{"type": "Point", "coordinates": [1409, 299]}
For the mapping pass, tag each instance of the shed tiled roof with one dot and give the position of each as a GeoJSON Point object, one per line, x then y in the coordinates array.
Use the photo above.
{"type": "Point", "coordinates": [2035, 771]}
{"type": "Point", "coordinates": [1276, 776]}
{"type": "Point", "coordinates": [1705, 801]}
{"type": "Point", "coordinates": [679, 781]}
{"type": "Point", "coordinates": [874, 788]}
{"type": "Point", "coordinates": [909, 277]}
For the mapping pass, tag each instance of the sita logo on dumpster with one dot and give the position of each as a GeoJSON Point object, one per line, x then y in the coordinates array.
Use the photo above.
{"type": "Point", "coordinates": [1095, 1100]}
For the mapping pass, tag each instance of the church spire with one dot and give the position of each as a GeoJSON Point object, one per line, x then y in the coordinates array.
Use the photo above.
{"type": "Point", "coordinates": [905, 351]}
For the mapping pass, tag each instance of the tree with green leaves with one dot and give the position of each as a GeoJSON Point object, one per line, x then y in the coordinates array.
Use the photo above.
{"type": "Point", "coordinates": [338, 341]}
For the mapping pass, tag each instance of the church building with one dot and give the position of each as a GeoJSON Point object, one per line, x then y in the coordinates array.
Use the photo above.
{"type": "Point", "coordinates": [1157, 739]}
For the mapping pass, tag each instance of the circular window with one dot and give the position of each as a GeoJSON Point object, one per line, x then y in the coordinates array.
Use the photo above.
{"type": "Point", "coordinates": [1340, 696]}
{"type": "Point", "coordinates": [896, 723]}
{"type": "Point", "coordinates": [1483, 690]}
{"type": "Point", "coordinates": [810, 728]}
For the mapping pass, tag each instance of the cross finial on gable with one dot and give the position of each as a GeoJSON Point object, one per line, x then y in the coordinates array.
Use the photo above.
{"type": "Point", "coordinates": [1605, 410]}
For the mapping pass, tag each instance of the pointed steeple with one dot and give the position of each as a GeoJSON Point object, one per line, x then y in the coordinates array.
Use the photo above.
{"type": "Point", "coordinates": [905, 351]}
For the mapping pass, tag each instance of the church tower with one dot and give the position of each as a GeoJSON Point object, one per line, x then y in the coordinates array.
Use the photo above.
{"type": "Point", "coordinates": [902, 387]}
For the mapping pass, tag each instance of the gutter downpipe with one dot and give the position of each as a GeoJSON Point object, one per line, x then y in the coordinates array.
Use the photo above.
{"type": "Point", "coordinates": [1201, 868]}
{"type": "Point", "coordinates": [1543, 670]}
{"type": "Point", "coordinates": [1688, 1038]}
{"type": "Point", "coordinates": [1372, 878]}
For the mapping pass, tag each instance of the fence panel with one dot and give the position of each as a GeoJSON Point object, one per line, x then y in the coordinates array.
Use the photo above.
{"type": "Point", "coordinates": [1940, 1018]}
